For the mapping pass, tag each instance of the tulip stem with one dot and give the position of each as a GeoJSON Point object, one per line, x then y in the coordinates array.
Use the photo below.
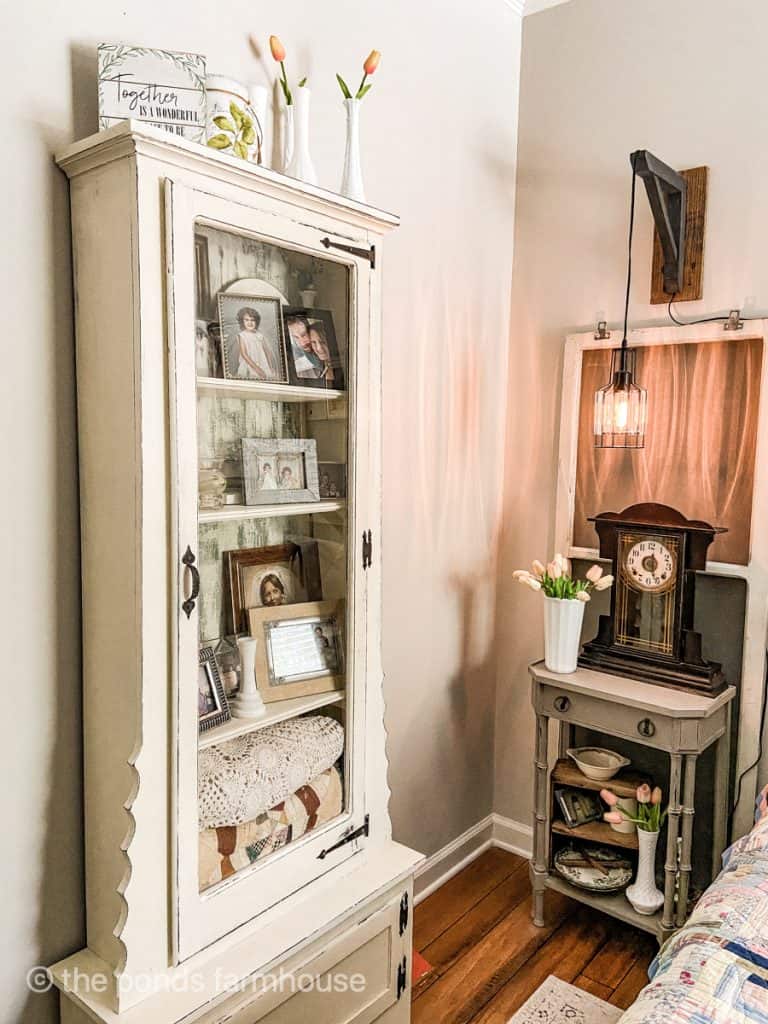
{"type": "Point", "coordinates": [360, 87]}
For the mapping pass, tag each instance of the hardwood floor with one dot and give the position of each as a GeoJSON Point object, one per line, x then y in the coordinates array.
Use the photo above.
{"type": "Point", "coordinates": [487, 956]}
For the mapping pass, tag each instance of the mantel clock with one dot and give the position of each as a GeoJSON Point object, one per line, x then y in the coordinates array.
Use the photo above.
{"type": "Point", "coordinates": [649, 634]}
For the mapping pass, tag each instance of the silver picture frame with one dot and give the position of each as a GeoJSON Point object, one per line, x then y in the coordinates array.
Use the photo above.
{"type": "Point", "coordinates": [271, 466]}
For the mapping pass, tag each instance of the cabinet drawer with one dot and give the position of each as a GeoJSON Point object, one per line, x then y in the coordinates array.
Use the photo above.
{"type": "Point", "coordinates": [349, 978]}
{"type": "Point", "coordinates": [606, 716]}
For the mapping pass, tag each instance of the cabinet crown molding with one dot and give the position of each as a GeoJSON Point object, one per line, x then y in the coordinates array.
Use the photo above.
{"type": "Point", "coordinates": [136, 138]}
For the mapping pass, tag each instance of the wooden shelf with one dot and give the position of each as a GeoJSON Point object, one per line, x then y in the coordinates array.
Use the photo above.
{"type": "Point", "coordinates": [230, 513]}
{"type": "Point", "coordinates": [597, 832]}
{"type": "Point", "coordinates": [213, 387]}
{"type": "Point", "coordinates": [279, 711]}
{"type": "Point", "coordinates": [616, 904]}
{"type": "Point", "coordinates": [565, 773]}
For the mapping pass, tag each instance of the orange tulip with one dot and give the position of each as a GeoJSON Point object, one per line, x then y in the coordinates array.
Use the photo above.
{"type": "Point", "coordinates": [372, 62]}
{"type": "Point", "coordinates": [277, 48]}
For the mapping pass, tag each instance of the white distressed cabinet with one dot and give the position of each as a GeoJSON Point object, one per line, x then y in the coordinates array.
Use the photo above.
{"type": "Point", "coordinates": [161, 229]}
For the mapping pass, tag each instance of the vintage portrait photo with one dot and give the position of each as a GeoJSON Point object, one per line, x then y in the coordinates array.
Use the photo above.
{"type": "Point", "coordinates": [212, 704]}
{"type": "Point", "coordinates": [280, 470]}
{"type": "Point", "coordinates": [333, 479]}
{"type": "Point", "coordinates": [270, 577]}
{"type": "Point", "coordinates": [252, 338]}
{"type": "Point", "coordinates": [312, 349]}
{"type": "Point", "coordinates": [207, 349]}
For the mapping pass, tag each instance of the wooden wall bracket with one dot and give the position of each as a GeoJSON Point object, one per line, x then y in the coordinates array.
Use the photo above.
{"type": "Point", "coordinates": [695, 217]}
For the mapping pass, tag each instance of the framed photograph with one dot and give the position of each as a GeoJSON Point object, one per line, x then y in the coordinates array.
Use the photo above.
{"type": "Point", "coordinates": [270, 577]}
{"type": "Point", "coordinates": [252, 338]}
{"type": "Point", "coordinates": [333, 479]}
{"type": "Point", "coordinates": [280, 470]}
{"type": "Point", "coordinates": [163, 88]}
{"type": "Point", "coordinates": [312, 349]}
{"type": "Point", "coordinates": [300, 649]}
{"type": "Point", "coordinates": [207, 350]}
{"type": "Point", "coordinates": [578, 806]}
{"type": "Point", "coordinates": [202, 278]}
{"type": "Point", "coordinates": [212, 704]}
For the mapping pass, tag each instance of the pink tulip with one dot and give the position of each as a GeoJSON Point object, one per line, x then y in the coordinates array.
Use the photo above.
{"type": "Point", "coordinates": [277, 48]}
{"type": "Point", "coordinates": [538, 568]}
{"type": "Point", "coordinates": [604, 582]}
{"type": "Point", "coordinates": [583, 596]}
{"type": "Point", "coordinates": [643, 793]}
{"type": "Point", "coordinates": [656, 795]}
{"type": "Point", "coordinates": [594, 574]}
{"type": "Point", "coordinates": [610, 798]}
{"type": "Point", "coordinates": [529, 581]}
{"type": "Point", "coordinates": [554, 570]}
{"type": "Point", "coordinates": [613, 817]}
{"type": "Point", "coordinates": [372, 62]}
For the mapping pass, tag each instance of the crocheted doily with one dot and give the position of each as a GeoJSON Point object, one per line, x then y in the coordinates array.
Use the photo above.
{"type": "Point", "coordinates": [242, 778]}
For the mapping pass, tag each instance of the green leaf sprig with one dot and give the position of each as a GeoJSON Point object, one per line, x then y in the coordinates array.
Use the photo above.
{"type": "Point", "coordinates": [238, 132]}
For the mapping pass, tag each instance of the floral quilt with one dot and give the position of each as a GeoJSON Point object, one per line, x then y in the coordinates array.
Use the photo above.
{"type": "Point", "coordinates": [715, 970]}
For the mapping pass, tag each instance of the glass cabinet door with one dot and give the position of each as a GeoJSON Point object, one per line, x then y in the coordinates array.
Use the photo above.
{"type": "Point", "coordinates": [270, 443]}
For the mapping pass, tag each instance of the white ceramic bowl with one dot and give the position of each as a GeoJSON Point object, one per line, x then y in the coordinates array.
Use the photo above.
{"type": "Point", "coordinates": [597, 763]}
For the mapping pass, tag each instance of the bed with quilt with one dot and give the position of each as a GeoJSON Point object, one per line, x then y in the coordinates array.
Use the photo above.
{"type": "Point", "coordinates": [715, 969]}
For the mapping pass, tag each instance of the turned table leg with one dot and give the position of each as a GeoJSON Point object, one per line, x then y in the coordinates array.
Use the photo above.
{"type": "Point", "coordinates": [720, 807]}
{"type": "Point", "coordinates": [673, 826]}
{"type": "Point", "coordinates": [539, 867]}
{"type": "Point", "coordinates": [688, 811]}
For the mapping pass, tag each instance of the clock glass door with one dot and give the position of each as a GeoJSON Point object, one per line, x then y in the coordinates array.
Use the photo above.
{"type": "Point", "coordinates": [646, 593]}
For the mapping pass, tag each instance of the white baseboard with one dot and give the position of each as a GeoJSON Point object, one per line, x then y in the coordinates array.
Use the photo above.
{"type": "Point", "coordinates": [494, 830]}
{"type": "Point", "coordinates": [447, 862]}
{"type": "Point", "coordinates": [513, 836]}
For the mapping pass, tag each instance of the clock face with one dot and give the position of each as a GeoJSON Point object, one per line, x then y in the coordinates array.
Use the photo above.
{"type": "Point", "coordinates": [646, 591]}
{"type": "Point", "coordinates": [650, 566]}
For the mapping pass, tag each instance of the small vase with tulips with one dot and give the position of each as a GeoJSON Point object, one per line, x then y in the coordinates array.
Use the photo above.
{"type": "Point", "coordinates": [352, 175]}
{"type": "Point", "coordinates": [643, 894]}
{"type": "Point", "coordinates": [564, 601]}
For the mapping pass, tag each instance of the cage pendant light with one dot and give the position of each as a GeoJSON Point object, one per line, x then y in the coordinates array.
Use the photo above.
{"type": "Point", "coordinates": [621, 407]}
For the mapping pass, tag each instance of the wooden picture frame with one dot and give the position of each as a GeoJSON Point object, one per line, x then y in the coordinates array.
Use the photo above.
{"type": "Point", "coordinates": [283, 636]}
{"type": "Point", "coordinates": [212, 703]}
{"type": "Point", "coordinates": [296, 566]}
{"type": "Point", "coordinates": [268, 461]}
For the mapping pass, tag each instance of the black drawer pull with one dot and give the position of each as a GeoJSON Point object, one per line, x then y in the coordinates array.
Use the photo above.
{"type": "Point", "coordinates": [189, 562]}
{"type": "Point", "coordinates": [646, 727]}
{"type": "Point", "coordinates": [562, 703]}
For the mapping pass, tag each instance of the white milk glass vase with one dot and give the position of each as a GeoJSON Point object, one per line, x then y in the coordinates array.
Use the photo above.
{"type": "Point", "coordinates": [301, 165]}
{"type": "Point", "coordinates": [352, 176]}
{"type": "Point", "coordinates": [562, 633]}
{"type": "Point", "coordinates": [248, 702]}
{"type": "Point", "coordinates": [286, 136]}
{"type": "Point", "coordinates": [643, 894]}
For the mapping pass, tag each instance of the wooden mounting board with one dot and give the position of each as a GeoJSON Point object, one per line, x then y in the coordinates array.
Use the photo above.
{"type": "Point", "coordinates": [697, 178]}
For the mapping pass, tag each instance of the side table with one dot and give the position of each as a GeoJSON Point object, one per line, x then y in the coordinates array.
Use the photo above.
{"type": "Point", "coordinates": [680, 723]}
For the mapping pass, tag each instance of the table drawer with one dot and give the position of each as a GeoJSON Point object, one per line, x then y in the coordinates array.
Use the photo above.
{"type": "Point", "coordinates": [606, 716]}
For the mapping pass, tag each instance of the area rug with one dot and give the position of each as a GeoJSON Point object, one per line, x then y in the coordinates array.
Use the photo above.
{"type": "Point", "coordinates": [557, 1002]}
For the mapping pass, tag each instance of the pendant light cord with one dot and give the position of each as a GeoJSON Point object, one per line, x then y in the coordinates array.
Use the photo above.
{"type": "Point", "coordinates": [704, 320]}
{"type": "Point", "coordinates": [629, 249]}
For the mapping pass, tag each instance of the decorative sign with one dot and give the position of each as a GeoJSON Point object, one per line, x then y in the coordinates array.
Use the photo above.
{"type": "Point", "coordinates": [158, 87]}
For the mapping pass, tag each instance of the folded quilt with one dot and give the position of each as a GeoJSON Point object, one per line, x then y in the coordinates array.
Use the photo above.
{"type": "Point", "coordinates": [242, 778]}
{"type": "Point", "coordinates": [225, 850]}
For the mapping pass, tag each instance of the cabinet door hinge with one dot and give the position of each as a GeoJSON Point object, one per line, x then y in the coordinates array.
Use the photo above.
{"type": "Point", "coordinates": [367, 549]}
{"type": "Point", "coordinates": [349, 837]}
{"type": "Point", "coordinates": [402, 976]}
{"type": "Point", "coordinates": [404, 913]}
{"type": "Point", "coordinates": [366, 254]}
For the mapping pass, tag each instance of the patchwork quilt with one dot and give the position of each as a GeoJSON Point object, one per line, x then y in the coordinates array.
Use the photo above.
{"type": "Point", "coordinates": [715, 970]}
{"type": "Point", "coordinates": [227, 849]}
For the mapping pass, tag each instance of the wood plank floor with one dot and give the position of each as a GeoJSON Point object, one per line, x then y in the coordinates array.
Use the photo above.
{"type": "Point", "coordinates": [487, 957]}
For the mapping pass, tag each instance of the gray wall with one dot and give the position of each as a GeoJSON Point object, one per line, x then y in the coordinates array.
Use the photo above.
{"type": "Point", "coordinates": [599, 79]}
{"type": "Point", "coordinates": [439, 140]}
